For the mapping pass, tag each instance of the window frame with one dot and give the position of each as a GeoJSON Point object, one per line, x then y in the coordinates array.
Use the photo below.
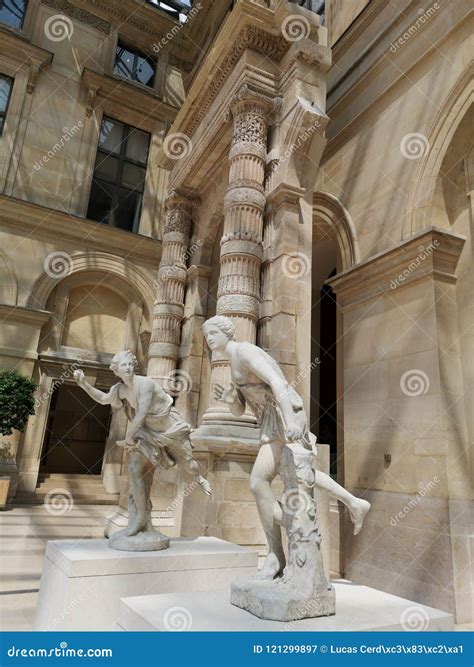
{"type": "Point", "coordinates": [20, 27]}
{"type": "Point", "coordinates": [117, 183]}
{"type": "Point", "coordinates": [137, 54]}
{"type": "Point", "coordinates": [4, 114]}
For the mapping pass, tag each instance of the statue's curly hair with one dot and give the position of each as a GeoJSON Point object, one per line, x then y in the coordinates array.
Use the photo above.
{"type": "Point", "coordinates": [117, 357]}
{"type": "Point", "coordinates": [223, 323]}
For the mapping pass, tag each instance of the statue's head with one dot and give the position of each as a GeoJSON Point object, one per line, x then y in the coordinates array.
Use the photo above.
{"type": "Point", "coordinates": [219, 330]}
{"type": "Point", "coordinates": [123, 364]}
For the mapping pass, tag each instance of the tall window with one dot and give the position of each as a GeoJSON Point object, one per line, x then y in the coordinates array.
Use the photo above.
{"type": "Point", "coordinates": [6, 85]}
{"type": "Point", "coordinates": [13, 12]}
{"type": "Point", "coordinates": [119, 175]}
{"type": "Point", "coordinates": [131, 64]}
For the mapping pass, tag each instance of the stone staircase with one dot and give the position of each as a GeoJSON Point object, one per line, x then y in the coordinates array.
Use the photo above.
{"type": "Point", "coordinates": [72, 488]}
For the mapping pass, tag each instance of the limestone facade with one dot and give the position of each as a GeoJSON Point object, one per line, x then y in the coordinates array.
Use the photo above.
{"type": "Point", "coordinates": [296, 173]}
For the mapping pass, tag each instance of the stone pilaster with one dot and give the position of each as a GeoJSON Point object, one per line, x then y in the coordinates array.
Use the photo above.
{"type": "Point", "coordinates": [241, 243]}
{"type": "Point", "coordinates": [169, 305]}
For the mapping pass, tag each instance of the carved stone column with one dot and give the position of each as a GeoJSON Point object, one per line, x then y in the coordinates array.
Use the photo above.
{"type": "Point", "coordinates": [241, 243]}
{"type": "Point", "coordinates": [169, 305]}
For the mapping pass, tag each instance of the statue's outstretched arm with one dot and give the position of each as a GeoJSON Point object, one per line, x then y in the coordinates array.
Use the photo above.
{"type": "Point", "coordinates": [98, 396]}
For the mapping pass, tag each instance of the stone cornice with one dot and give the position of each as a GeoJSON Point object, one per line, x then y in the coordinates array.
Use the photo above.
{"type": "Point", "coordinates": [25, 315]}
{"type": "Point", "coordinates": [284, 193]}
{"type": "Point", "coordinates": [432, 253]}
{"type": "Point", "coordinates": [248, 26]}
{"type": "Point", "coordinates": [17, 48]}
{"type": "Point", "coordinates": [110, 89]}
{"type": "Point", "coordinates": [69, 9]}
{"type": "Point", "coordinates": [40, 222]}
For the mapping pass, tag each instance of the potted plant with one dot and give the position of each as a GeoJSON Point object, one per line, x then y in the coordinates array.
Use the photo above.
{"type": "Point", "coordinates": [16, 405]}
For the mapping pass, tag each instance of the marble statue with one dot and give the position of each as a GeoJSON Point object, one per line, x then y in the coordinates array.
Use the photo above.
{"type": "Point", "coordinates": [156, 436]}
{"type": "Point", "coordinates": [297, 588]}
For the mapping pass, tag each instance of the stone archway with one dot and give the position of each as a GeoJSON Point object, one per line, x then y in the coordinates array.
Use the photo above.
{"type": "Point", "coordinates": [65, 343]}
{"type": "Point", "coordinates": [335, 249]}
{"type": "Point", "coordinates": [439, 138]}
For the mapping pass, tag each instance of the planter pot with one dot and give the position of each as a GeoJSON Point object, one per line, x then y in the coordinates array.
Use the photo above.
{"type": "Point", "coordinates": [4, 488]}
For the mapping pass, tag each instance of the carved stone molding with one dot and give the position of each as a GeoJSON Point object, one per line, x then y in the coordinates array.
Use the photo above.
{"type": "Point", "coordinates": [432, 253]}
{"type": "Point", "coordinates": [77, 14]}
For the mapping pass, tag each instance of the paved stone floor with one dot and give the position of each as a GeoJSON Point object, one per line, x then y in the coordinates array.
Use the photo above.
{"type": "Point", "coordinates": [24, 532]}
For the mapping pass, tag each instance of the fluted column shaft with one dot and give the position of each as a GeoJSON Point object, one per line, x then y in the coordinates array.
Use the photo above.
{"type": "Point", "coordinates": [169, 305]}
{"type": "Point", "coordinates": [241, 243]}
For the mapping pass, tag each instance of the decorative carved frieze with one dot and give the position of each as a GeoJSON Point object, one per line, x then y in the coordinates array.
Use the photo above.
{"type": "Point", "coordinates": [77, 14]}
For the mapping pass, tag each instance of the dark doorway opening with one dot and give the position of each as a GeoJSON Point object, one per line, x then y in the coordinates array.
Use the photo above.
{"type": "Point", "coordinates": [327, 423]}
{"type": "Point", "coordinates": [76, 433]}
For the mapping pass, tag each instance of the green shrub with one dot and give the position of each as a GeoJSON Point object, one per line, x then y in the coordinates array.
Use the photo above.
{"type": "Point", "coordinates": [16, 401]}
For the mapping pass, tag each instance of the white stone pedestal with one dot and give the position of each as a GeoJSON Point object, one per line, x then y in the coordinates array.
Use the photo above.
{"type": "Point", "coordinates": [83, 580]}
{"type": "Point", "coordinates": [358, 608]}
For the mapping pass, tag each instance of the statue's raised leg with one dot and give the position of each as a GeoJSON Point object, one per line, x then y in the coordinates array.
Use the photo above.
{"type": "Point", "coordinates": [303, 591]}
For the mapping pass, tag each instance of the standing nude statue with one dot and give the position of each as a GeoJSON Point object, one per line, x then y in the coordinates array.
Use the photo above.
{"type": "Point", "coordinates": [157, 436]}
{"type": "Point", "coordinates": [300, 589]}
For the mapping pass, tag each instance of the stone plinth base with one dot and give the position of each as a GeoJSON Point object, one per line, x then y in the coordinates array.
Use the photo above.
{"type": "Point", "coordinates": [358, 608]}
{"type": "Point", "coordinates": [146, 541]}
{"type": "Point", "coordinates": [275, 601]}
{"type": "Point", "coordinates": [83, 580]}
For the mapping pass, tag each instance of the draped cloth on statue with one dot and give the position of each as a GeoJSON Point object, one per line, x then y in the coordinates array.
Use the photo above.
{"type": "Point", "coordinates": [259, 397]}
{"type": "Point", "coordinates": [163, 438]}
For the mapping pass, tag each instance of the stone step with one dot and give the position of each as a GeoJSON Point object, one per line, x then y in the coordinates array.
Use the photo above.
{"type": "Point", "coordinates": [70, 476]}
{"type": "Point", "coordinates": [78, 498]}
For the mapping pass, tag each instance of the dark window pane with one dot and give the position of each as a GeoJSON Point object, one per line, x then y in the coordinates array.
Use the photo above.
{"type": "Point", "coordinates": [106, 167]}
{"type": "Point", "coordinates": [5, 89]}
{"type": "Point", "coordinates": [100, 202]}
{"type": "Point", "coordinates": [118, 183]}
{"type": "Point", "coordinates": [6, 85]}
{"type": "Point", "coordinates": [12, 12]}
{"type": "Point", "coordinates": [133, 176]}
{"type": "Point", "coordinates": [111, 135]}
{"type": "Point", "coordinates": [137, 146]}
{"type": "Point", "coordinates": [129, 208]}
{"type": "Point", "coordinates": [133, 65]}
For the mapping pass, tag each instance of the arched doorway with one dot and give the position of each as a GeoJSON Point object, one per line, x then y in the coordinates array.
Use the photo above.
{"type": "Point", "coordinates": [335, 249]}
{"type": "Point", "coordinates": [71, 442]}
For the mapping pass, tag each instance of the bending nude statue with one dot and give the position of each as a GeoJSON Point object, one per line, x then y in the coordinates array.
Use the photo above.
{"type": "Point", "coordinates": [287, 449]}
{"type": "Point", "coordinates": [156, 436]}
